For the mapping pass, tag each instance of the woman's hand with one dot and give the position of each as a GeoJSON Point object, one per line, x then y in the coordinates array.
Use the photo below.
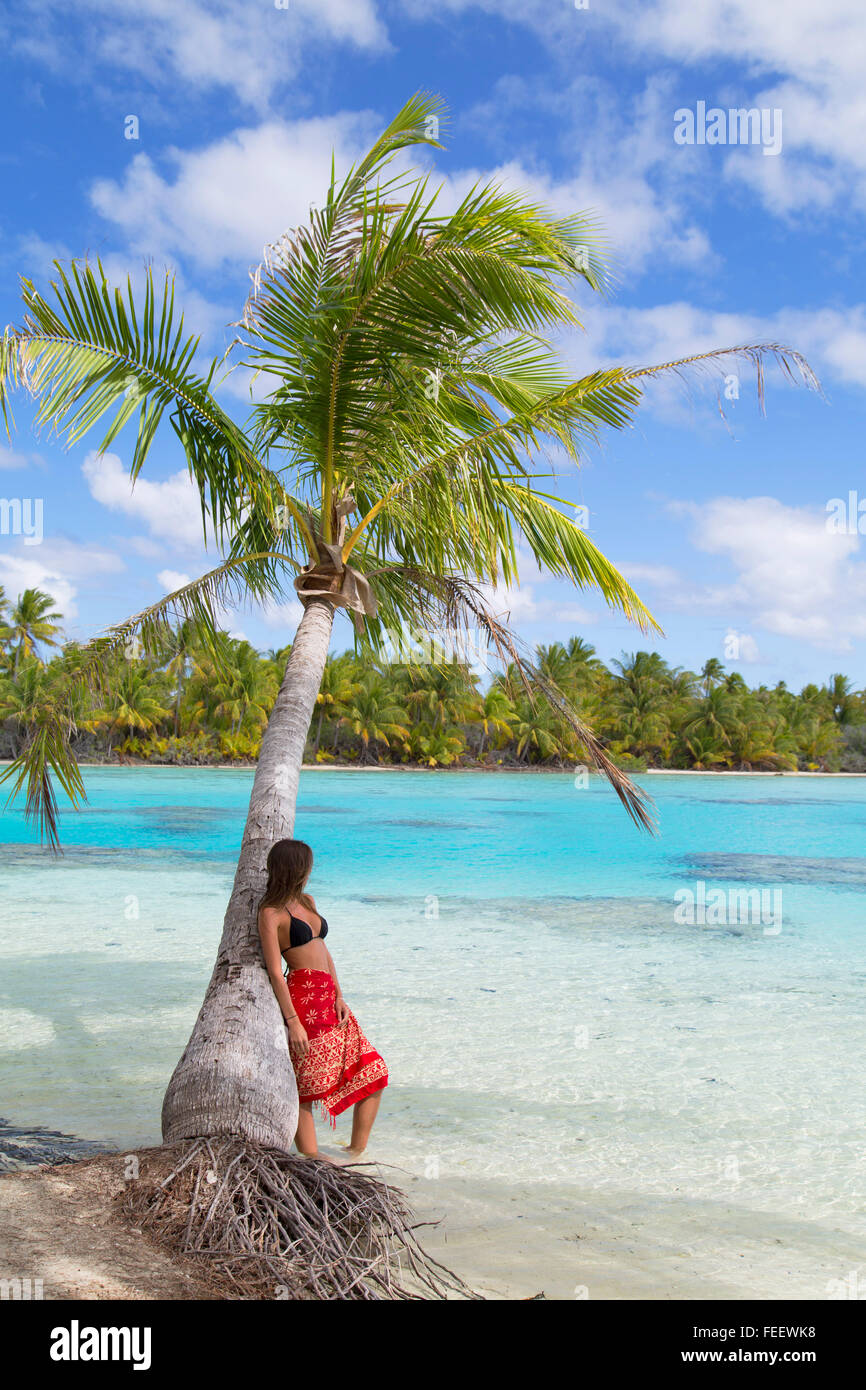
{"type": "Point", "coordinates": [342, 1009]}
{"type": "Point", "coordinates": [299, 1041]}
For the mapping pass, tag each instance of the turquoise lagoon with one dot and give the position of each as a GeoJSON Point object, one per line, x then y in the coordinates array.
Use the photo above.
{"type": "Point", "coordinates": [513, 947]}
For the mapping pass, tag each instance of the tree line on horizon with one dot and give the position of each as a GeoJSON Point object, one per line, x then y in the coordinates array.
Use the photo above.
{"type": "Point", "coordinates": [193, 702]}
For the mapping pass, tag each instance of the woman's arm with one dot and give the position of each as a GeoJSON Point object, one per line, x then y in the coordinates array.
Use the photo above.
{"type": "Point", "coordinates": [340, 1004]}
{"type": "Point", "coordinates": [268, 919]}
{"type": "Point", "coordinates": [333, 970]}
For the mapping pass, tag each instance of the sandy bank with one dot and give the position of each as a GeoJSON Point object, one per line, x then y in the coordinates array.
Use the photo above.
{"type": "Point", "coordinates": [60, 1225]}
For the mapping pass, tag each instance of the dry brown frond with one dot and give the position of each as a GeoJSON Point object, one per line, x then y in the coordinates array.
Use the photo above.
{"type": "Point", "coordinates": [270, 1225]}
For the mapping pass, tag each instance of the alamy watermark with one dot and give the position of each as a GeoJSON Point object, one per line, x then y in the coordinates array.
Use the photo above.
{"type": "Point", "coordinates": [718, 907]}
{"type": "Point", "coordinates": [22, 516]}
{"type": "Point", "coordinates": [847, 516]}
{"type": "Point", "coordinates": [736, 126]}
{"type": "Point", "coordinates": [16, 1289]}
{"type": "Point", "coordinates": [433, 646]}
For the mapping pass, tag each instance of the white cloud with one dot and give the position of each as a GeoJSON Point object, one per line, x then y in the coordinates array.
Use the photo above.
{"type": "Point", "coordinates": [661, 576]}
{"type": "Point", "coordinates": [520, 605]}
{"type": "Point", "coordinates": [283, 617]}
{"type": "Point", "coordinates": [222, 202]}
{"type": "Point", "coordinates": [511, 603]}
{"type": "Point", "coordinates": [172, 580]}
{"type": "Point", "coordinates": [832, 340]}
{"type": "Point", "coordinates": [791, 574]}
{"type": "Point", "coordinates": [812, 63]}
{"type": "Point", "coordinates": [170, 510]}
{"type": "Point", "coordinates": [11, 458]}
{"type": "Point", "coordinates": [623, 176]}
{"type": "Point", "coordinates": [813, 71]}
{"type": "Point", "coordinates": [226, 618]}
{"type": "Point", "coordinates": [248, 48]}
{"type": "Point", "coordinates": [808, 62]}
{"type": "Point", "coordinates": [573, 613]}
{"type": "Point", "coordinates": [225, 201]}
{"type": "Point", "coordinates": [59, 567]}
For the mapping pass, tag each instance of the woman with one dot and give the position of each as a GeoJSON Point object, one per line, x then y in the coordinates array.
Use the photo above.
{"type": "Point", "coordinates": [333, 1061]}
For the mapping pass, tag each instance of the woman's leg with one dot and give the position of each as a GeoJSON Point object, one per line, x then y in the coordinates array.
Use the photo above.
{"type": "Point", "coordinates": [362, 1123]}
{"type": "Point", "coordinates": [305, 1138]}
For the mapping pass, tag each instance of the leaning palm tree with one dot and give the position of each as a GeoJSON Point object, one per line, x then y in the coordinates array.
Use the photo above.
{"type": "Point", "coordinates": [408, 384]}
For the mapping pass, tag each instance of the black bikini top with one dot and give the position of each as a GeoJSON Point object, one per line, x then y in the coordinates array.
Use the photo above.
{"type": "Point", "coordinates": [300, 932]}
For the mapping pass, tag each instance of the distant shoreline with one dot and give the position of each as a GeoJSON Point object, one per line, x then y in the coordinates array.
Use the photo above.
{"type": "Point", "coordinates": [132, 763]}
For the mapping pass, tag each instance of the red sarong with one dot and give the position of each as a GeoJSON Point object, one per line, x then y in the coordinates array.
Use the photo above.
{"type": "Point", "coordinates": [341, 1067]}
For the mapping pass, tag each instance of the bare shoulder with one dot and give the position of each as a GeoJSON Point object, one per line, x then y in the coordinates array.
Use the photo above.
{"type": "Point", "coordinates": [269, 918]}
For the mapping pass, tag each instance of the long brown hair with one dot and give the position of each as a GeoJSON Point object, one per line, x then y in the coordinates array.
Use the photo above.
{"type": "Point", "coordinates": [290, 863]}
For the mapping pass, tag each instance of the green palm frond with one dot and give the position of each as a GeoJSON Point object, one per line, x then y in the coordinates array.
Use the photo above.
{"type": "Point", "coordinates": [449, 604]}
{"type": "Point", "coordinates": [563, 548]}
{"type": "Point", "coordinates": [46, 756]}
{"type": "Point", "coordinates": [90, 354]}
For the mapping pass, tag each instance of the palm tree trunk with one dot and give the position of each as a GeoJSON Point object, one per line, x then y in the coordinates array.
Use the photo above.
{"type": "Point", "coordinates": [236, 1076]}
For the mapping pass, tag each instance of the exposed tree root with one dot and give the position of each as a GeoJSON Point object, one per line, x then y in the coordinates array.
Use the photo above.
{"type": "Point", "coordinates": [265, 1224]}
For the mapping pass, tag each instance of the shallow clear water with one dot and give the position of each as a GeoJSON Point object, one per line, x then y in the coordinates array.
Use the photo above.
{"type": "Point", "coordinates": [512, 946]}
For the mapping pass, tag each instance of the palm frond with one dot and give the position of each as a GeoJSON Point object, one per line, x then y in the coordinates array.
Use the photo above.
{"type": "Point", "coordinates": [452, 604]}
{"type": "Point", "coordinates": [791, 363]}
{"type": "Point", "coordinates": [90, 354]}
{"type": "Point", "coordinates": [563, 548]}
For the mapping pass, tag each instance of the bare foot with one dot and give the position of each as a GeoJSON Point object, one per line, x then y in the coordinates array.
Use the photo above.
{"type": "Point", "coordinates": [322, 1158]}
{"type": "Point", "coordinates": [350, 1155]}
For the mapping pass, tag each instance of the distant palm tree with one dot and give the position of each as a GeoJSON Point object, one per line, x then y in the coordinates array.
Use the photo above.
{"type": "Point", "coordinates": [178, 650]}
{"type": "Point", "coordinates": [435, 747]}
{"type": "Point", "coordinates": [842, 698]}
{"type": "Point", "coordinates": [31, 624]}
{"type": "Point", "coordinates": [278, 656]}
{"type": "Point", "coordinates": [23, 695]}
{"type": "Point", "coordinates": [707, 752]}
{"type": "Point", "coordinates": [716, 716]}
{"type": "Point", "coordinates": [539, 731]}
{"type": "Point", "coordinates": [495, 714]}
{"type": "Point", "coordinates": [5, 631]}
{"type": "Point", "coordinates": [555, 663]}
{"type": "Point", "coordinates": [244, 693]}
{"type": "Point", "coordinates": [444, 694]}
{"type": "Point", "coordinates": [639, 669]}
{"type": "Point", "coordinates": [713, 671]}
{"type": "Point", "coordinates": [642, 717]}
{"type": "Point", "coordinates": [734, 680]}
{"type": "Point", "coordinates": [374, 717]}
{"type": "Point", "coordinates": [582, 655]}
{"type": "Point", "coordinates": [136, 706]}
{"type": "Point", "coordinates": [336, 691]}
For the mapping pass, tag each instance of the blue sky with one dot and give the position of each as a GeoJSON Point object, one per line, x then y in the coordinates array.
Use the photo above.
{"type": "Point", "coordinates": [721, 524]}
